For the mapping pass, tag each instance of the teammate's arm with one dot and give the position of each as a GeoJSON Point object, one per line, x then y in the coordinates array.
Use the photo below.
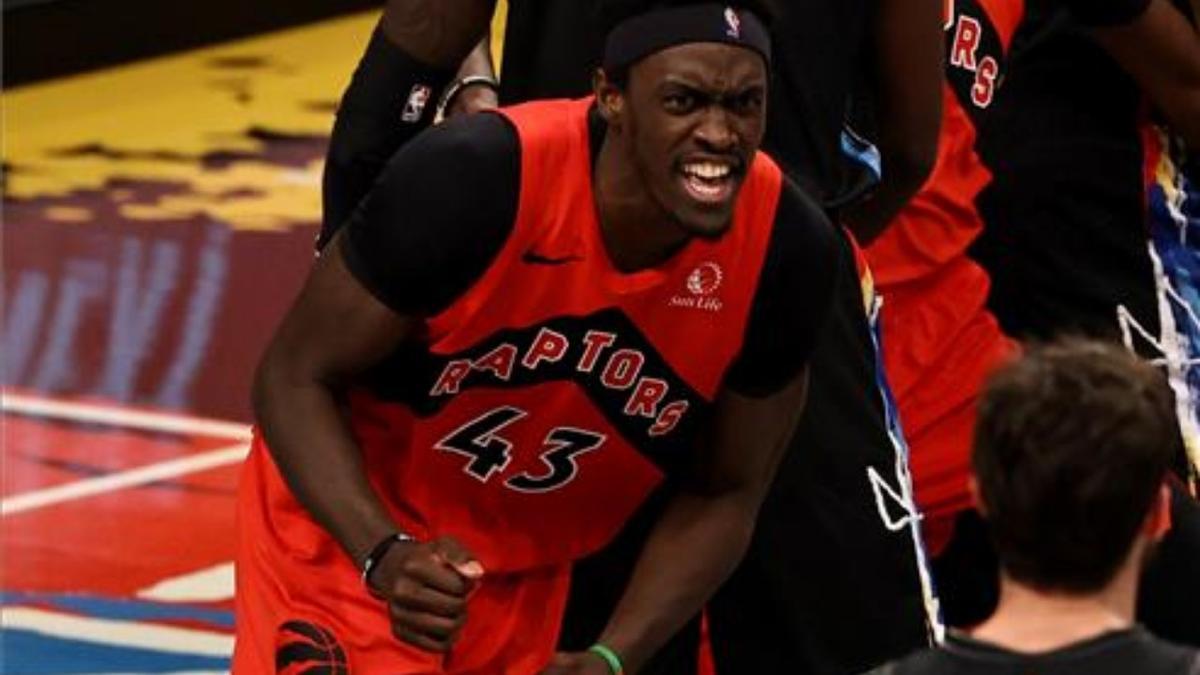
{"type": "Point", "coordinates": [413, 246]}
{"type": "Point", "coordinates": [907, 94]}
{"type": "Point", "coordinates": [477, 97]}
{"type": "Point", "coordinates": [412, 56]}
{"type": "Point", "coordinates": [1161, 50]}
{"type": "Point", "coordinates": [706, 527]}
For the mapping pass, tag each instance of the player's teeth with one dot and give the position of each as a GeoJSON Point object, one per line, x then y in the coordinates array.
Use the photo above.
{"type": "Point", "coordinates": [708, 170]}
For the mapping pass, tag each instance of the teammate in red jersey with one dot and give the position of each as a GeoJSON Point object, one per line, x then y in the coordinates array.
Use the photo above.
{"type": "Point", "coordinates": [533, 319]}
{"type": "Point", "coordinates": [939, 338]}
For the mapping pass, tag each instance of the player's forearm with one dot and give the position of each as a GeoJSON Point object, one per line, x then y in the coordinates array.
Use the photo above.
{"type": "Point", "coordinates": [479, 61]}
{"type": "Point", "coordinates": [907, 92]}
{"type": "Point", "coordinates": [438, 32]}
{"type": "Point", "coordinates": [693, 548]}
{"type": "Point", "coordinates": [904, 174]}
{"type": "Point", "coordinates": [1161, 50]}
{"type": "Point", "coordinates": [393, 93]}
{"type": "Point", "coordinates": [317, 455]}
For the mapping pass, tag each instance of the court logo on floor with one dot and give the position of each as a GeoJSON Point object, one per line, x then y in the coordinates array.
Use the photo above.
{"type": "Point", "coordinates": [303, 647]}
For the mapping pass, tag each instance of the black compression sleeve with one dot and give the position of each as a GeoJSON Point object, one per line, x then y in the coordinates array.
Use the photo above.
{"type": "Point", "coordinates": [793, 297]}
{"type": "Point", "coordinates": [438, 216]}
{"type": "Point", "coordinates": [391, 98]}
{"type": "Point", "coordinates": [1104, 13]}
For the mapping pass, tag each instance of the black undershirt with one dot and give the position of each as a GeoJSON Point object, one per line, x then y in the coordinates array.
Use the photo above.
{"type": "Point", "coordinates": [445, 204]}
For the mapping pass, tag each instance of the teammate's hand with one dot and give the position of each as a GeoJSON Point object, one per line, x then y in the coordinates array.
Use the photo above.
{"type": "Point", "coordinates": [473, 98]}
{"type": "Point", "coordinates": [426, 587]}
{"type": "Point", "coordinates": [577, 663]}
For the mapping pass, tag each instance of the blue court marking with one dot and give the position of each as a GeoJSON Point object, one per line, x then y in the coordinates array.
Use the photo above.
{"type": "Point", "coordinates": [25, 652]}
{"type": "Point", "coordinates": [120, 609]}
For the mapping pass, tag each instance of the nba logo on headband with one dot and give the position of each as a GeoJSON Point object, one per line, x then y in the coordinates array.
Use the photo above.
{"type": "Point", "coordinates": [734, 24]}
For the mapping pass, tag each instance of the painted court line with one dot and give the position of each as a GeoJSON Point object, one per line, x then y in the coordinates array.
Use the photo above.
{"type": "Point", "coordinates": [125, 479]}
{"type": "Point", "coordinates": [112, 415]}
{"type": "Point", "coordinates": [170, 639]}
{"type": "Point", "coordinates": [206, 585]}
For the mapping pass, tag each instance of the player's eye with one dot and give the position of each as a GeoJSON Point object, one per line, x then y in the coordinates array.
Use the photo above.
{"type": "Point", "coordinates": [680, 102]}
{"type": "Point", "coordinates": [747, 102]}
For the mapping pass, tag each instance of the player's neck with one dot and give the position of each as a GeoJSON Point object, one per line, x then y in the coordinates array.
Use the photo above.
{"type": "Point", "coordinates": [1032, 620]}
{"type": "Point", "coordinates": [637, 232]}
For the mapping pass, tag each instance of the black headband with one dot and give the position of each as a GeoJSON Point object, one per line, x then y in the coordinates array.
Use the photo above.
{"type": "Point", "coordinates": [640, 36]}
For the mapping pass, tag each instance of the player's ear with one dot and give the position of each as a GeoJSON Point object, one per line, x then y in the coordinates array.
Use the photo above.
{"type": "Point", "coordinates": [1158, 518]}
{"type": "Point", "coordinates": [610, 100]}
{"type": "Point", "coordinates": [976, 495]}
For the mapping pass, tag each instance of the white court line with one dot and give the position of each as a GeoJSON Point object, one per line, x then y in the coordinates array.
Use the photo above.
{"type": "Point", "coordinates": [207, 585]}
{"type": "Point", "coordinates": [118, 416]}
{"type": "Point", "coordinates": [125, 479]}
{"type": "Point", "coordinates": [118, 633]}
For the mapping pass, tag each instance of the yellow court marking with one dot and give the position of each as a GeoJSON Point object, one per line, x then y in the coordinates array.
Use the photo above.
{"type": "Point", "coordinates": [156, 120]}
{"type": "Point", "coordinates": [161, 116]}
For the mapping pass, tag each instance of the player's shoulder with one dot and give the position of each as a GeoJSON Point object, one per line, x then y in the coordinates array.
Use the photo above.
{"type": "Point", "coordinates": [485, 138]}
{"type": "Point", "coordinates": [802, 229]}
{"type": "Point", "coordinates": [1161, 656]}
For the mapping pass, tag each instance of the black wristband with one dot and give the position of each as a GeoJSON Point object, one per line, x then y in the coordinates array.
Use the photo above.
{"type": "Point", "coordinates": [378, 551]}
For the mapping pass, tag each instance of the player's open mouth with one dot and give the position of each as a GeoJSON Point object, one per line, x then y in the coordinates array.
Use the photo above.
{"type": "Point", "coordinates": [709, 181]}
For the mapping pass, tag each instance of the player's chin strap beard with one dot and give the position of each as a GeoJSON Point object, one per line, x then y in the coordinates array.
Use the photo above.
{"type": "Point", "coordinates": [640, 36]}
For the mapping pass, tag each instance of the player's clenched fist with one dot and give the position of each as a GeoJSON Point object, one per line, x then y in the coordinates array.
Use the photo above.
{"type": "Point", "coordinates": [426, 586]}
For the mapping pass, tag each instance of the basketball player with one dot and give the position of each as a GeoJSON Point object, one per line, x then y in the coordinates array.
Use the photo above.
{"type": "Point", "coordinates": [533, 319]}
{"type": "Point", "coordinates": [857, 600]}
{"type": "Point", "coordinates": [860, 599]}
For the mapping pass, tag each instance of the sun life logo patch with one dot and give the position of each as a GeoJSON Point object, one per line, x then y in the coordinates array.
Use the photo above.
{"type": "Point", "coordinates": [705, 279]}
{"type": "Point", "coordinates": [701, 284]}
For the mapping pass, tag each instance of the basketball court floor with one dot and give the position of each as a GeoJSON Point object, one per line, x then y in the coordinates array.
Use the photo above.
{"type": "Point", "coordinates": [158, 218]}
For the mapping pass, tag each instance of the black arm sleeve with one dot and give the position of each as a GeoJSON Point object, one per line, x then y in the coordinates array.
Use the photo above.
{"type": "Point", "coordinates": [1106, 13]}
{"type": "Point", "coordinates": [390, 99]}
{"type": "Point", "coordinates": [793, 297]}
{"type": "Point", "coordinates": [438, 216]}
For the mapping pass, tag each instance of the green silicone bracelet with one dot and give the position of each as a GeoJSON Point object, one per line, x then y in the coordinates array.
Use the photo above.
{"type": "Point", "coordinates": [610, 657]}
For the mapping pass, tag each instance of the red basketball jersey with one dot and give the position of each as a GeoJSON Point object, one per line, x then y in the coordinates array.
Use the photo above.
{"type": "Point", "coordinates": [939, 340]}
{"type": "Point", "coordinates": [549, 399]}
{"type": "Point", "coordinates": [934, 294]}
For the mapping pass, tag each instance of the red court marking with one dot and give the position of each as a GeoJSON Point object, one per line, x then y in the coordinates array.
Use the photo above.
{"type": "Point", "coordinates": [34, 450]}
{"type": "Point", "coordinates": [121, 541]}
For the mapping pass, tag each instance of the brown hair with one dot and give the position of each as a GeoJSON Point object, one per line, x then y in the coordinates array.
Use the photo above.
{"type": "Point", "coordinates": [1071, 445]}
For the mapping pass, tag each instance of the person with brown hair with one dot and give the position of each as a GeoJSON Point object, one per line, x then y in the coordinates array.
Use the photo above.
{"type": "Point", "coordinates": [1072, 451]}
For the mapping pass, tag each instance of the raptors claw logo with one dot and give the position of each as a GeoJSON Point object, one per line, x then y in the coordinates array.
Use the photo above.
{"type": "Point", "coordinates": [308, 649]}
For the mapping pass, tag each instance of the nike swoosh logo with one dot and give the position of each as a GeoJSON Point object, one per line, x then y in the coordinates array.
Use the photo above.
{"type": "Point", "coordinates": [532, 258]}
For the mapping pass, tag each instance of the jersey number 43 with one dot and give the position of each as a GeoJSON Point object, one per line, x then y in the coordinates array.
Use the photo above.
{"type": "Point", "coordinates": [490, 452]}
